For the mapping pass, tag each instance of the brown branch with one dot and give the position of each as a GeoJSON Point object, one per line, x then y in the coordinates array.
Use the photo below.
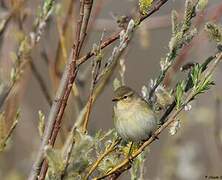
{"type": "Point", "coordinates": [59, 105]}
{"type": "Point", "coordinates": [108, 150]}
{"type": "Point", "coordinates": [87, 11]}
{"type": "Point", "coordinates": [95, 73]}
{"type": "Point", "coordinates": [9, 134]}
{"type": "Point", "coordinates": [115, 36]}
{"type": "Point", "coordinates": [5, 93]}
{"type": "Point", "coordinates": [89, 106]}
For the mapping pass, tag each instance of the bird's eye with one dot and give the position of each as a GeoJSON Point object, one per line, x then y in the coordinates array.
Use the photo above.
{"type": "Point", "coordinates": [124, 97]}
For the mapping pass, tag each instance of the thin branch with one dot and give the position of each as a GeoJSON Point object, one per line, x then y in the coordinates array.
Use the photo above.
{"type": "Point", "coordinates": [4, 94]}
{"type": "Point", "coordinates": [59, 105]}
{"type": "Point", "coordinates": [87, 11]}
{"type": "Point", "coordinates": [108, 150]}
{"type": "Point", "coordinates": [5, 23]}
{"type": "Point", "coordinates": [115, 36]}
{"type": "Point", "coordinates": [9, 133]}
{"type": "Point", "coordinates": [95, 73]}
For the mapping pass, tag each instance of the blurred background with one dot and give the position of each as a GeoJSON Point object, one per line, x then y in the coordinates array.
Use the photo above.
{"type": "Point", "coordinates": [193, 153]}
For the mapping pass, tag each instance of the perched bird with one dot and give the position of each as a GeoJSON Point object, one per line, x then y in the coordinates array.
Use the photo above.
{"type": "Point", "coordinates": [134, 119]}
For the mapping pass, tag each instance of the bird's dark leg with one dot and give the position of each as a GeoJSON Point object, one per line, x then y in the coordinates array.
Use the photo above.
{"type": "Point", "coordinates": [155, 137]}
{"type": "Point", "coordinates": [129, 153]}
{"type": "Point", "coordinates": [130, 149]}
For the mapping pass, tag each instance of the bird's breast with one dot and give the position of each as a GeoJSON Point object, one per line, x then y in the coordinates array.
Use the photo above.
{"type": "Point", "coordinates": [135, 122]}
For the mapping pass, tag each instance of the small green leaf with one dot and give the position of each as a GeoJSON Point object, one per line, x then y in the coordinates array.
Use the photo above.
{"type": "Point", "coordinates": [47, 7]}
{"type": "Point", "coordinates": [179, 93]}
{"type": "Point", "coordinates": [205, 85]}
{"type": "Point", "coordinates": [195, 75]}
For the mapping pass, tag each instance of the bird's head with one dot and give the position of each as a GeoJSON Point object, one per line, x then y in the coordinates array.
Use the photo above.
{"type": "Point", "coordinates": [124, 96]}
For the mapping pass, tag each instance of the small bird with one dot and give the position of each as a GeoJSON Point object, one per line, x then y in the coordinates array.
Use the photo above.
{"type": "Point", "coordinates": [134, 119]}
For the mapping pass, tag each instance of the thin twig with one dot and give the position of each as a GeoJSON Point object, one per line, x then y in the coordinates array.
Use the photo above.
{"type": "Point", "coordinates": [108, 150]}
{"type": "Point", "coordinates": [10, 132]}
{"type": "Point", "coordinates": [87, 11]}
{"type": "Point", "coordinates": [95, 73]}
{"type": "Point", "coordinates": [115, 36]}
{"type": "Point", "coordinates": [4, 94]}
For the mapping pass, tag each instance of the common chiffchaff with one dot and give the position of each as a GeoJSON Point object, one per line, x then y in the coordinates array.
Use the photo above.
{"type": "Point", "coordinates": [134, 119]}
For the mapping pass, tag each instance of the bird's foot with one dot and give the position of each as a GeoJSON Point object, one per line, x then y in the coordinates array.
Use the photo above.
{"type": "Point", "coordinates": [130, 159]}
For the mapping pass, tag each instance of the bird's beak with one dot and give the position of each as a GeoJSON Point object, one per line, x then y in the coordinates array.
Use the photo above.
{"type": "Point", "coordinates": [114, 99]}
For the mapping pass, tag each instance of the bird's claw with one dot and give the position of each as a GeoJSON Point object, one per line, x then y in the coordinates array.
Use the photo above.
{"type": "Point", "coordinates": [130, 159]}
{"type": "Point", "coordinates": [155, 137]}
